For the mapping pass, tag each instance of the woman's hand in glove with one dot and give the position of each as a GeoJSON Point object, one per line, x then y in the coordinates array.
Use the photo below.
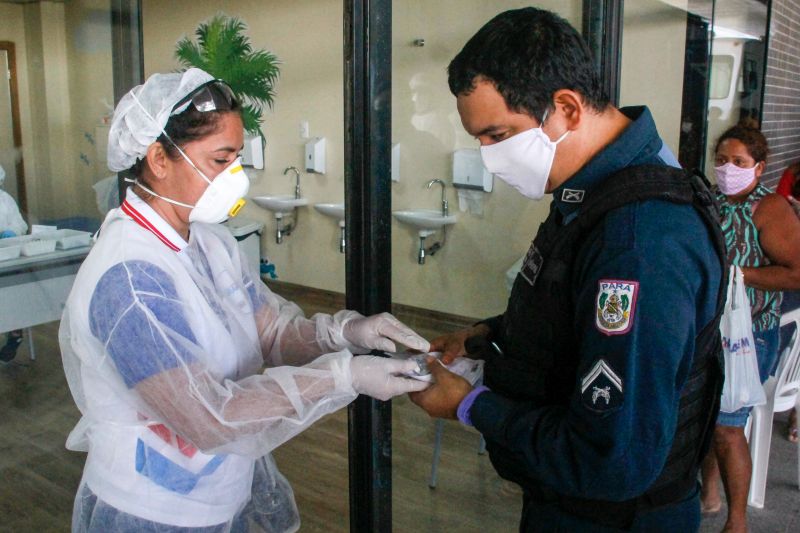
{"type": "Point", "coordinates": [380, 332]}
{"type": "Point", "coordinates": [380, 377]}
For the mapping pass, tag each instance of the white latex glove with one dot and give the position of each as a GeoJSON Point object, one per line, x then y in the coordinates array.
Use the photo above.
{"type": "Point", "coordinates": [377, 332]}
{"type": "Point", "coordinates": [380, 377]}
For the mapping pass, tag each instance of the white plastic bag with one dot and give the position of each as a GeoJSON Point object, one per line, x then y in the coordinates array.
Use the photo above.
{"type": "Point", "coordinates": [742, 383]}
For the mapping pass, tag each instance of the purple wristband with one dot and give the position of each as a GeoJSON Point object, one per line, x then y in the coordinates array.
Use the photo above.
{"type": "Point", "coordinates": [466, 404]}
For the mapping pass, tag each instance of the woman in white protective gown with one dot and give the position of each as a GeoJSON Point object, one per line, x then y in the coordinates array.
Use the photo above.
{"type": "Point", "coordinates": [166, 334]}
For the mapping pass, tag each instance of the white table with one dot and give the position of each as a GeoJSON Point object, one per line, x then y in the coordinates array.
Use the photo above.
{"type": "Point", "coordinates": [33, 290]}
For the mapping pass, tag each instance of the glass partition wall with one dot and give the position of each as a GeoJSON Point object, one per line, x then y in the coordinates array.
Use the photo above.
{"type": "Point", "coordinates": [462, 278]}
{"type": "Point", "coordinates": [54, 108]}
{"type": "Point", "coordinates": [301, 248]}
{"type": "Point", "coordinates": [55, 111]}
{"type": "Point", "coordinates": [56, 98]}
{"type": "Point", "coordinates": [445, 279]}
{"type": "Point", "coordinates": [698, 65]}
{"type": "Point", "coordinates": [738, 58]}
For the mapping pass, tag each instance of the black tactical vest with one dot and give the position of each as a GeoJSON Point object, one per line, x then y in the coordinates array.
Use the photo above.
{"type": "Point", "coordinates": [537, 337]}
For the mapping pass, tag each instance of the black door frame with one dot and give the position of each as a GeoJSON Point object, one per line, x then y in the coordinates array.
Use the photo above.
{"type": "Point", "coordinates": [16, 129]}
{"type": "Point", "coordinates": [602, 31]}
{"type": "Point", "coordinates": [367, 141]}
{"type": "Point", "coordinates": [127, 57]}
{"type": "Point", "coordinates": [368, 264]}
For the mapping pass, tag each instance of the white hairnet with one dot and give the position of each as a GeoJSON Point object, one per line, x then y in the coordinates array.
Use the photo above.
{"type": "Point", "coordinates": [132, 130]}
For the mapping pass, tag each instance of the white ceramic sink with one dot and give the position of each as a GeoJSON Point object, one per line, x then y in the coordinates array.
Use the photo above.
{"type": "Point", "coordinates": [332, 210]}
{"type": "Point", "coordinates": [280, 204]}
{"type": "Point", "coordinates": [424, 219]}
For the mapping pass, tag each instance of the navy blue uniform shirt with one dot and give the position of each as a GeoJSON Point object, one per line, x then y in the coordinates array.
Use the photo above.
{"type": "Point", "coordinates": [611, 440]}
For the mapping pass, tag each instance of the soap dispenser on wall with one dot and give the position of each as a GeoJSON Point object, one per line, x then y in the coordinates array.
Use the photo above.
{"type": "Point", "coordinates": [315, 155]}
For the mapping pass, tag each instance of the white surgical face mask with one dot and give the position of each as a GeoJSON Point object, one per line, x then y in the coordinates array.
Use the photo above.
{"type": "Point", "coordinates": [223, 198]}
{"type": "Point", "coordinates": [732, 180]}
{"type": "Point", "coordinates": [524, 160]}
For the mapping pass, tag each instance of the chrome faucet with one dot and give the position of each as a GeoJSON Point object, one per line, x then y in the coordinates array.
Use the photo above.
{"type": "Point", "coordinates": [444, 199]}
{"type": "Point", "coordinates": [296, 180]}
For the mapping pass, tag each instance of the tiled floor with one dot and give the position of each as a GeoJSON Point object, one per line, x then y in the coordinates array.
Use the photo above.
{"type": "Point", "coordinates": [781, 512]}
{"type": "Point", "coordinates": [38, 476]}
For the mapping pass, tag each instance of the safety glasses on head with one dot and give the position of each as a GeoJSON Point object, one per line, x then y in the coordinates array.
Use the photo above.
{"type": "Point", "coordinates": [215, 95]}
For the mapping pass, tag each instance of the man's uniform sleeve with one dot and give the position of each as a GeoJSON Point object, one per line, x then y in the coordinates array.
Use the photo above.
{"type": "Point", "coordinates": [641, 296]}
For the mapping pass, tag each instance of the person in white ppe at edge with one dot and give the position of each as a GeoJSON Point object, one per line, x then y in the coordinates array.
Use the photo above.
{"type": "Point", "coordinates": [11, 225]}
{"type": "Point", "coordinates": [11, 221]}
{"type": "Point", "coordinates": [166, 331]}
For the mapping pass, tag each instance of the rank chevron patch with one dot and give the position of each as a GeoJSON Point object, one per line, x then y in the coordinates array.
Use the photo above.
{"type": "Point", "coordinates": [600, 367]}
{"type": "Point", "coordinates": [601, 388]}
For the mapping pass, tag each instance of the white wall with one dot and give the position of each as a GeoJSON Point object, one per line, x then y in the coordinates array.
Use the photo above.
{"type": "Point", "coordinates": [12, 29]}
{"type": "Point", "coordinates": [653, 52]}
{"type": "Point", "coordinates": [64, 72]}
{"type": "Point", "coordinates": [466, 276]}
{"type": "Point", "coordinates": [91, 89]}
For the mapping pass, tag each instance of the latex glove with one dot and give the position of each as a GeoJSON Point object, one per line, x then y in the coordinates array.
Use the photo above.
{"type": "Point", "coordinates": [6, 234]}
{"type": "Point", "coordinates": [380, 377]}
{"type": "Point", "coordinates": [380, 332]}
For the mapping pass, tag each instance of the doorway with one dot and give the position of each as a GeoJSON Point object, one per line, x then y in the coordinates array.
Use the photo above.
{"type": "Point", "coordinates": [10, 133]}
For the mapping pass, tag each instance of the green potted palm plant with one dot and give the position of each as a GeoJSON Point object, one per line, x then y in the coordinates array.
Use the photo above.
{"type": "Point", "coordinates": [223, 50]}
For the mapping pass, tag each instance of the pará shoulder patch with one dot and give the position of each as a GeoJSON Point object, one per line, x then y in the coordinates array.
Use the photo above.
{"type": "Point", "coordinates": [615, 305]}
{"type": "Point", "coordinates": [601, 388]}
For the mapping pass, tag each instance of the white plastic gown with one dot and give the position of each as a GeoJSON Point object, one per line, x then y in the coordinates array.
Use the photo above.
{"type": "Point", "coordinates": [163, 352]}
{"type": "Point", "coordinates": [10, 217]}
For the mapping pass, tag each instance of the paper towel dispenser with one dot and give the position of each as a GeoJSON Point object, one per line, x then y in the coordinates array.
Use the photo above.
{"type": "Point", "coordinates": [253, 151]}
{"type": "Point", "coordinates": [469, 172]}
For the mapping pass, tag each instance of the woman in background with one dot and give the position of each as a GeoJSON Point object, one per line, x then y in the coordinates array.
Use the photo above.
{"type": "Point", "coordinates": [762, 236]}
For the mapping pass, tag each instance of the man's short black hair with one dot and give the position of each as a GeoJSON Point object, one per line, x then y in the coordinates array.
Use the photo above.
{"type": "Point", "coordinates": [528, 54]}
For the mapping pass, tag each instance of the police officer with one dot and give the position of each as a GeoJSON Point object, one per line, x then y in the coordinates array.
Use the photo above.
{"type": "Point", "coordinates": [602, 377]}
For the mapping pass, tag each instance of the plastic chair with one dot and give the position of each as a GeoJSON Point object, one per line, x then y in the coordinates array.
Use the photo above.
{"type": "Point", "coordinates": [437, 451]}
{"type": "Point", "coordinates": [31, 349]}
{"type": "Point", "coordinates": [475, 377]}
{"type": "Point", "coordinates": [782, 391]}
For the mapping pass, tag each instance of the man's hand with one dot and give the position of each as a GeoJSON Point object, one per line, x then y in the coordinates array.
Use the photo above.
{"type": "Point", "coordinates": [452, 344]}
{"type": "Point", "coordinates": [441, 400]}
